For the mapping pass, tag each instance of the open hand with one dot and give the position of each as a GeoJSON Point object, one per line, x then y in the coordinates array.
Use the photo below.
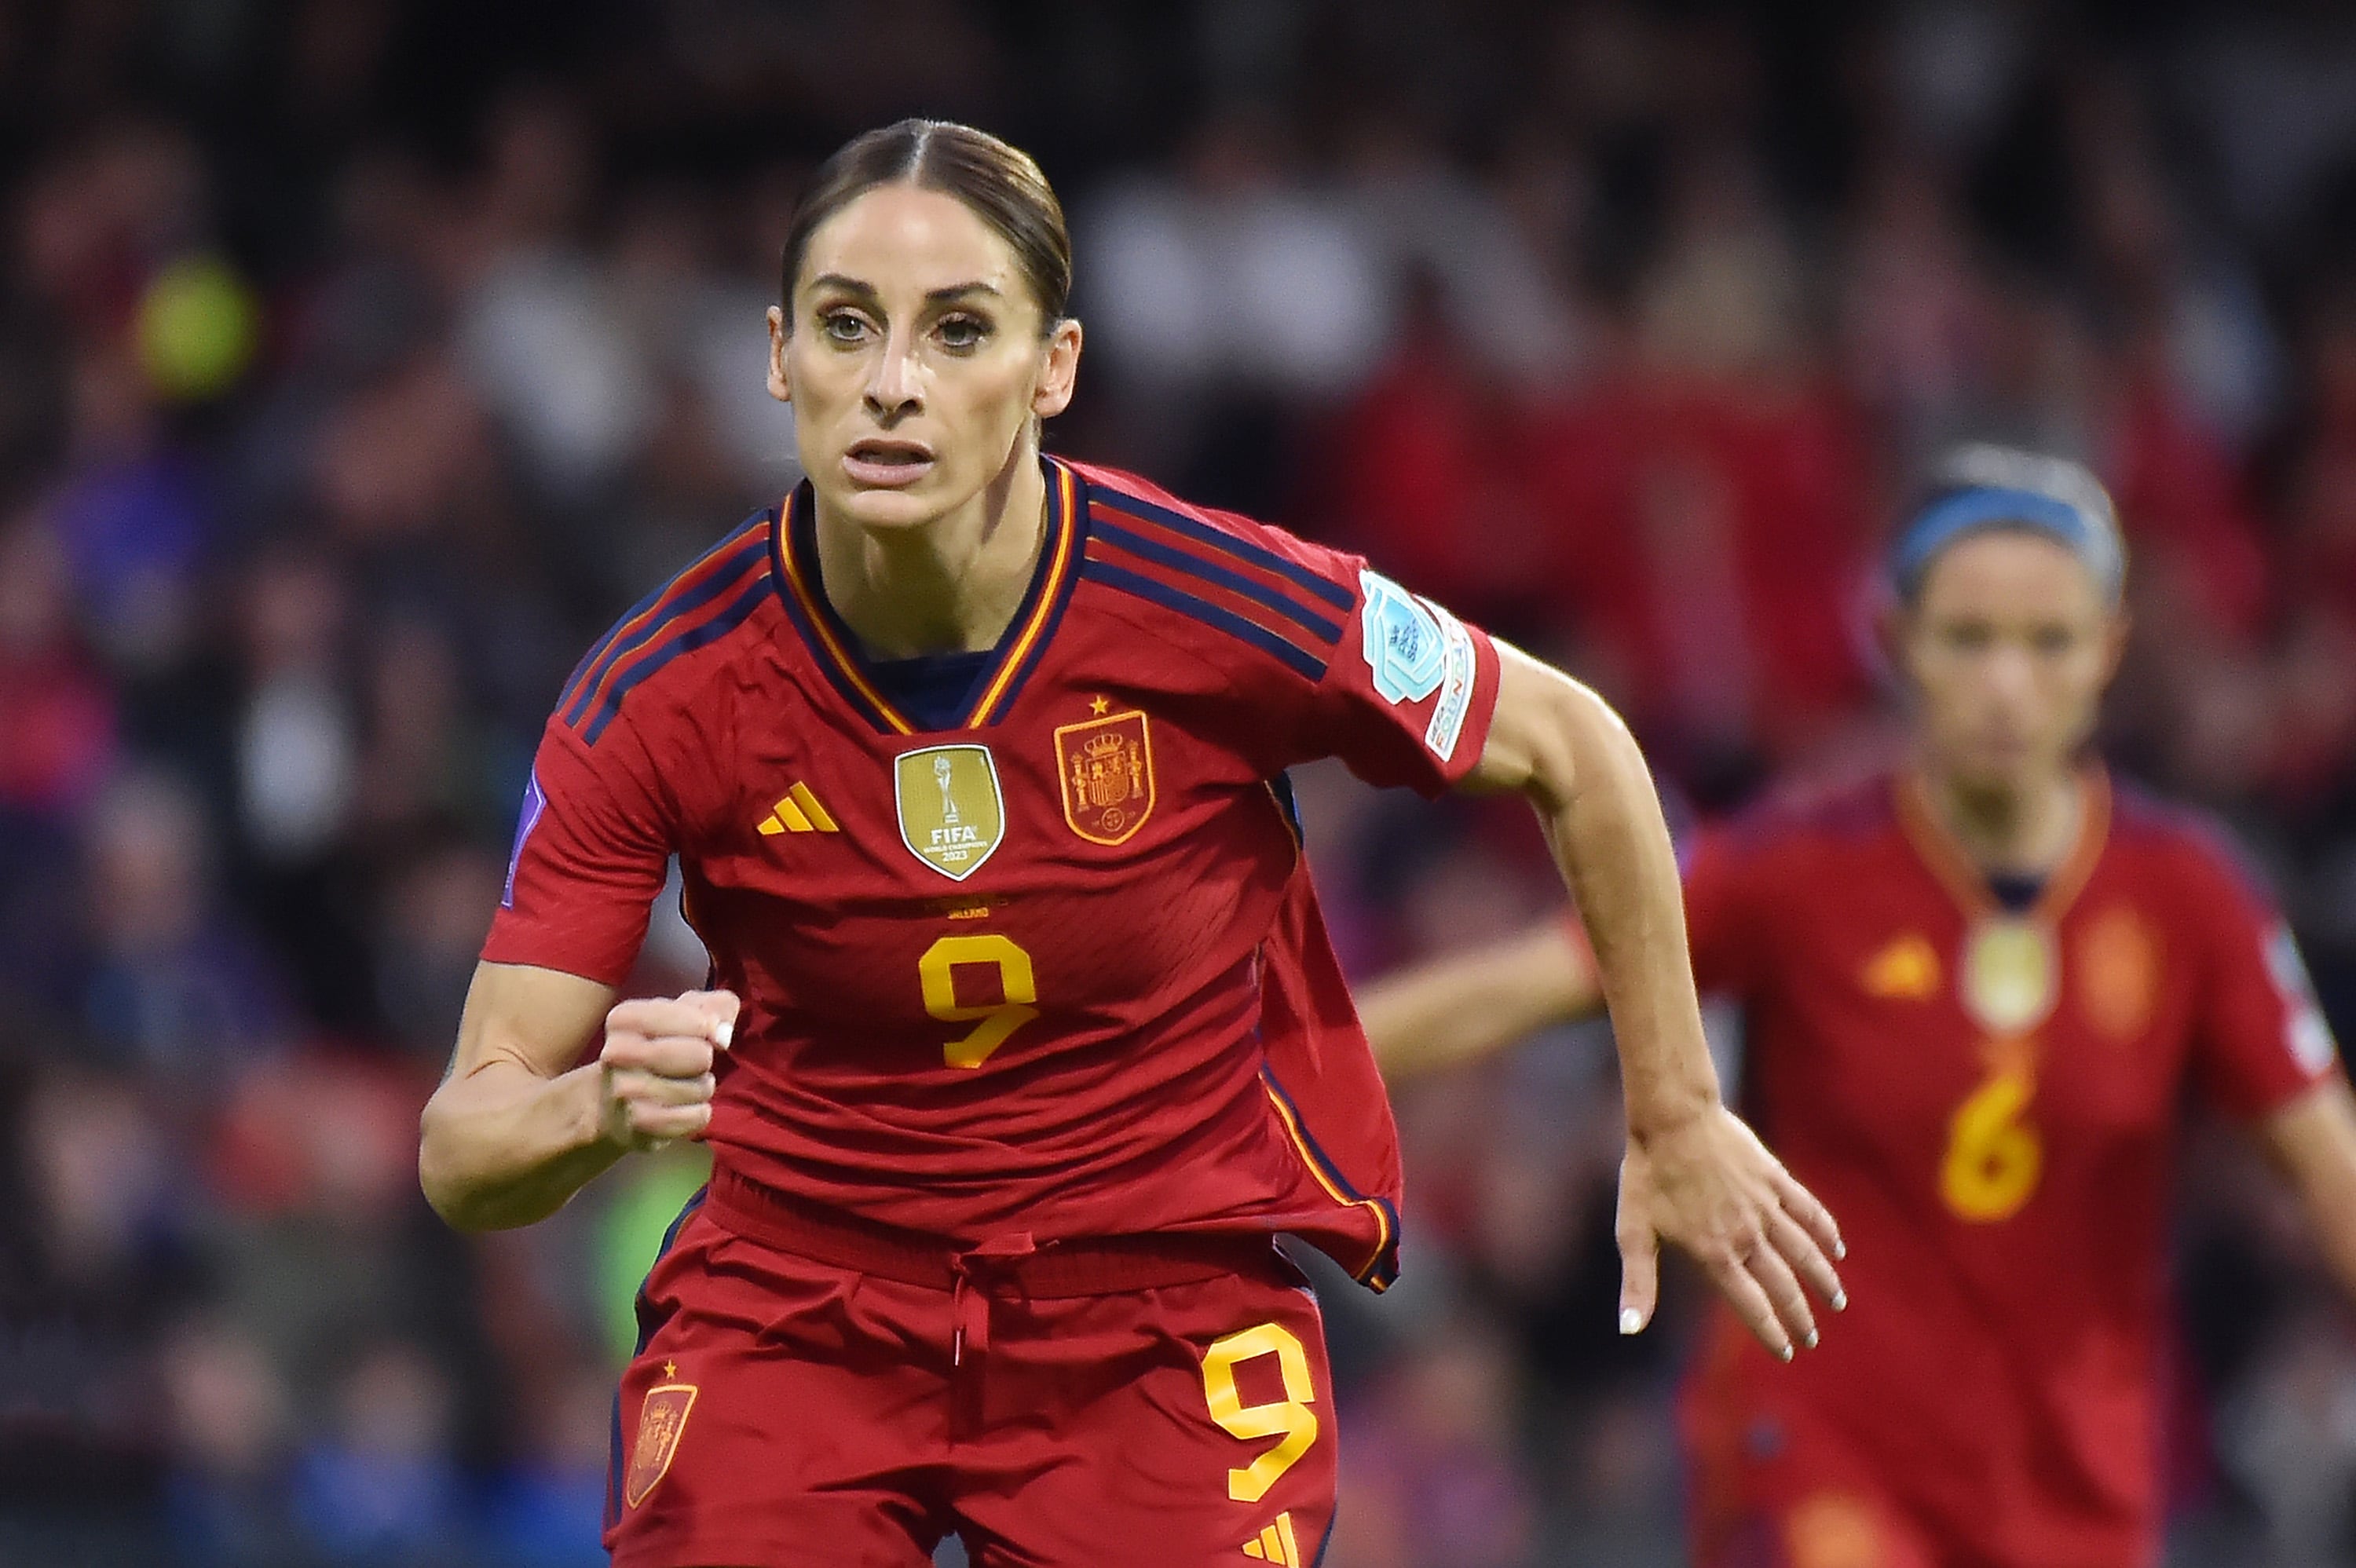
{"type": "Point", "coordinates": [657, 1065]}
{"type": "Point", "coordinates": [1711, 1186]}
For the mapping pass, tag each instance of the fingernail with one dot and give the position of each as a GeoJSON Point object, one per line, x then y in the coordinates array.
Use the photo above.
{"type": "Point", "coordinates": [1840, 1249]}
{"type": "Point", "coordinates": [1631, 1320]}
{"type": "Point", "coordinates": [1785, 1354]}
{"type": "Point", "coordinates": [1812, 1338]}
{"type": "Point", "coordinates": [1840, 1301]}
{"type": "Point", "coordinates": [725, 1032]}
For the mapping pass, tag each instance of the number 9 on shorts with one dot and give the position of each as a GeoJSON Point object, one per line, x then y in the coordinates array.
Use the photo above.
{"type": "Point", "coordinates": [1289, 1417]}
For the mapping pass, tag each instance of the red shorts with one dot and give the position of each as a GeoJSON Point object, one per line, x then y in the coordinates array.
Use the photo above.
{"type": "Point", "coordinates": [789, 1409]}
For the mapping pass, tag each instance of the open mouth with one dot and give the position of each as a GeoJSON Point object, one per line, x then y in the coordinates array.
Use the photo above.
{"type": "Point", "coordinates": [892, 453]}
{"type": "Point", "coordinates": [884, 464]}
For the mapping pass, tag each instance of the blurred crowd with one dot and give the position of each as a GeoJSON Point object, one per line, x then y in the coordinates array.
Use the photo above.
{"type": "Point", "coordinates": [359, 360]}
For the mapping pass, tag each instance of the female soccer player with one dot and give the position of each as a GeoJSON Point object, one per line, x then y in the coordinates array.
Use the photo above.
{"type": "Point", "coordinates": [1025, 1036]}
{"type": "Point", "coordinates": [1976, 992]}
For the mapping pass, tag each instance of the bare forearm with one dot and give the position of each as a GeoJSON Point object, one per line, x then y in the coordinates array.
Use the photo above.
{"type": "Point", "coordinates": [1562, 746]}
{"type": "Point", "coordinates": [2335, 1236]}
{"type": "Point", "coordinates": [1612, 845]}
{"type": "Point", "coordinates": [1694, 1174]}
{"type": "Point", "coordinates": [1462, 1008]}
{"type": "Point", "coordinates": [504, 1147]}
{"type": "Point", "coordinates": [517, 1129]}
{"type": "Point", "coordinates": [2312, 1141]}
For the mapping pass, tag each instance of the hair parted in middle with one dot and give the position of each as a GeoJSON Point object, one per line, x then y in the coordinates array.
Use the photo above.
{"type": "Point", "coordinates": [996, 181]}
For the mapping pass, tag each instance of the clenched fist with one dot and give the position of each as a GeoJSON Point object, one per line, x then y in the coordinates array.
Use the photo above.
{"type": "Point", "coordinates": [657, 1065]}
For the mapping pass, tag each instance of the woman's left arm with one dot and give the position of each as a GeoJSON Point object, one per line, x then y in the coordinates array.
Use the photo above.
{"type": "Point", "coordinates": [1694, 1174]}
{"type": "Point", "coordinates": [2313, 1140]}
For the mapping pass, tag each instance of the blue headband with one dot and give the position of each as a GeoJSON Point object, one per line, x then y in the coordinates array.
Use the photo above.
{"type": "Point", "coordinates": [2093, 539]}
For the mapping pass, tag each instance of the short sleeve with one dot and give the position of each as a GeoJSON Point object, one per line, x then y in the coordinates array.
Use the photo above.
{"type": "Point", "coordinates": [1312, 652]}
{"type": "Point", "coordinates": [1721, 923]}
{"type": "Point", "coordinates": [2260, 1037]}
{"type": "Point", "coordinates": [592, 844]}
{"type": "Point", "coordinates": [1408, 692]}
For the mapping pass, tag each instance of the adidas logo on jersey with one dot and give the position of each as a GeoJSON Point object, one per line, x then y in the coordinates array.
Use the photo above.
{"type": "Point", "coordinates": [1275, 1544]}
{"type": "Point", "coordinates": [798, 811]}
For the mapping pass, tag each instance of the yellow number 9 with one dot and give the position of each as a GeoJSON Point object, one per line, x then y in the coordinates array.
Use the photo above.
{"type": "Point", "coordinates": [1289, 1415]}
{"type": "Point", "coordinates": [1993, 1157]}
{"type": "Point", "coordinates": [938, 970]}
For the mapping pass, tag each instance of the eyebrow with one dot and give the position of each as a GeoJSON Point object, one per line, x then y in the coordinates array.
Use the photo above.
{"type": "Point", "coordinates": [866, 291]}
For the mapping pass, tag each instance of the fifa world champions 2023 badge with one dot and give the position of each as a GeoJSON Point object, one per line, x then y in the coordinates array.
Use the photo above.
{"type": "Point", "coordinates": [662, 1421]}
{"type": "Point", "coordinates": [1105, 766]}
{"type": "Point", "coordinates": [952, 813]}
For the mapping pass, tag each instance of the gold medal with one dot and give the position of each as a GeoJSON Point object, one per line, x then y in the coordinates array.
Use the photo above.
{"type": "Point", "coordinates": [2009, 975]}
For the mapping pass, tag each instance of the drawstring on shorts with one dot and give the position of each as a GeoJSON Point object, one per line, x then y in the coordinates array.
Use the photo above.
{"type": "Point", "coordinates": [978, 1273]}
{"type": "Point", "coordinates": [1016, 1264]}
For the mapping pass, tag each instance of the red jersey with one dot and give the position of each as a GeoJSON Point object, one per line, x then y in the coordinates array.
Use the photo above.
{"type": "Point", "coordinates": [1990, 1102]}
{"type": "Point", "coordinates": [1058, 970]}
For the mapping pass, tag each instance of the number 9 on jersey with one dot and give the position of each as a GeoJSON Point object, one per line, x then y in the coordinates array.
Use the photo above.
{"type": "Point", "coordinates": [936, 970]}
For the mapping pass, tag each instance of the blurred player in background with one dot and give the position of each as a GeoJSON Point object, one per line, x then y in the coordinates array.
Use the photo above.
{"type": "Point", "coordinates": [1975, 994]}
{"type": "Point", "coordinates": [1025, 1035]}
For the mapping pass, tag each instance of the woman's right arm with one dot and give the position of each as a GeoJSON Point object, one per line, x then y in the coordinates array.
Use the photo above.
{"type": "Point", "coordinates": [516, 1127]}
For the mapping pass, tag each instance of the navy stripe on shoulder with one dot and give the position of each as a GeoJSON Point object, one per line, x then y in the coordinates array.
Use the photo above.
{"type": "Point", "coordinates": [1308, 665]}
{"type": "Point", "coordinates": [684, 640]}
{"type": "Point", "coordinates": [1327, 631]}
{"type": "Point", "coordinates": [573, 682]}
{"type": "Point", "coordinates": [1266, 560]}
{"type": "Point", "coordinates": [711, 574]}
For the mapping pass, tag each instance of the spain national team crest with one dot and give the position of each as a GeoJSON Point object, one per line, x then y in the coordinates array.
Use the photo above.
{"type": "Point", "coordinates": [661, 1420]}
{"type": "Point", "coordinates": [1106, 769]}
{"type": "Point", "coordinates": [2116, 964]}
{"type": "Point", "coordinates": [952, 815]}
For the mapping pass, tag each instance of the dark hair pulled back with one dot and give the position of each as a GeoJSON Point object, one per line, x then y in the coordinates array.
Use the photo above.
{"type": "Point", "coordinates": [998, 182]}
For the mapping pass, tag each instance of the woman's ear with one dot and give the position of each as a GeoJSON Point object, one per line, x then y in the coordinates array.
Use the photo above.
{"type": "Point", "coordinates": [1060, 372]}
{"type": "Point", "coordinates": [779, 387]}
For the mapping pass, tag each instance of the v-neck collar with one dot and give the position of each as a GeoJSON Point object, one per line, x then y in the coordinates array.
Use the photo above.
{"type": "Point", "coordinates": [794, 564]}
{"type": "Point", "coordinates": [1967, 885]}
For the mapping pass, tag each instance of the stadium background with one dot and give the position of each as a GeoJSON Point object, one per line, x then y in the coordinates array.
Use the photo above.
{"type": "Point", "coordinates": [359, 360]}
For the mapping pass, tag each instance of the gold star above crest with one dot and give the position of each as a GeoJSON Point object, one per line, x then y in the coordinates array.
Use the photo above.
{"type": "Point", "coordinates": [1097, 705]}
{"type": "Point", "coordinates": [671, 1369]}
